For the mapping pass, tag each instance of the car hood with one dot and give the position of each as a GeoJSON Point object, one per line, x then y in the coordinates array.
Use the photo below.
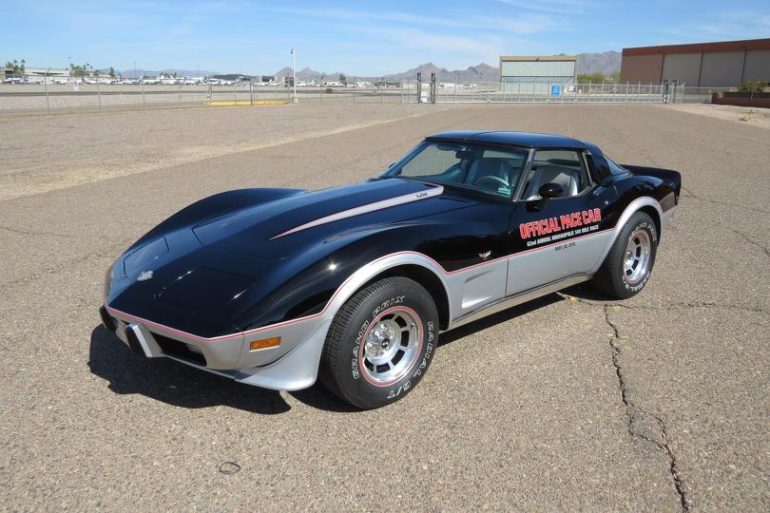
{"type": "Point", "coordinates": [212, 261]}
{"type": "Point", "coordinates": [276, 229]}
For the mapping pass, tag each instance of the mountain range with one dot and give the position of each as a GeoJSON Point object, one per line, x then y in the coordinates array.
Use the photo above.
{"type": "Point", "coordinates": [605, 62]}
{"type": "Point", "coordinates": [587, 63]}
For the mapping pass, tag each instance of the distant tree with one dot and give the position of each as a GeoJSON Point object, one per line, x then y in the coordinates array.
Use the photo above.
{"type": "Point", "coordinates": [752, 86]}
{"type": "Point", "coordinates": [596, 78]}
{"type": "Point", "coordinates": [16, 67]}
{"type": "Point", "coordinates": [80, 70]}
{"type": "Point", "coordinates": [343, 79]}
{"type": "Point", "coordinates": [112, 72]}
{"type": "Point", "coordinates": [614, 76]}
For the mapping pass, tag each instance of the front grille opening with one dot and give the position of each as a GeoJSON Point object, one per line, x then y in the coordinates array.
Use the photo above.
{"type": "Point", "coordinates": [179, 350]}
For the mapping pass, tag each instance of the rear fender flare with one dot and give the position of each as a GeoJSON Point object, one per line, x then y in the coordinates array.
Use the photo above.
{"type": "Point", "coordinates": [632, 208]}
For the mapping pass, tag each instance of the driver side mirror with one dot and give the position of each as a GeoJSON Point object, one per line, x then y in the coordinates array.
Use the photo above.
{"type": "Point", "coordinates": [545, 192]}
{"type": "Point", "coordinates": [550, 190]}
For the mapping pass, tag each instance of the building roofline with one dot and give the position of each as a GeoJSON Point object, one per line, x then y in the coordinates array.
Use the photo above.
{"type": "Point", "coordinates": [537, 58]}
{"type": "Point", "coordinates": [717, 46]}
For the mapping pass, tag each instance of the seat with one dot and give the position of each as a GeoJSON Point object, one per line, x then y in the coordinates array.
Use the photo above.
{"type": "Point", "coordinates": [491, 167]}
{"type": "Point", "coordinates": [567, 177]}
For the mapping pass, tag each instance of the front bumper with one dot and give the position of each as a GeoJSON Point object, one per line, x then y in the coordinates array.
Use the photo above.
{"type": "Point", "coordinates": [292, 365]}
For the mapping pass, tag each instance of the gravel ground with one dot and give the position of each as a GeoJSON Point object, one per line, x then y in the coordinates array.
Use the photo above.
{"type": "Point", "coordinates": [755, 116]}
{"type": "Point", "coordinates": [658, 403]}
{"type": "Point", "coordinates": [86, 147]}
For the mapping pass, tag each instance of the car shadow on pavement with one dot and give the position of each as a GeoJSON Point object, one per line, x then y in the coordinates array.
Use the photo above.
{"type": "Point", "coordinates": [318, 397]}
{"type": "Point", "coordinates": [179, 385]}
{"type": "Point", "coordinates": [585, 291]}
{"type": "Point", "coordinates": [500, 317]}
{"type": "Point", "coordinates": [172, 382]}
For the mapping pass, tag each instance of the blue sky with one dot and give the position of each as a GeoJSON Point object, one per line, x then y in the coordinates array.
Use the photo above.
{"type": "Point", "coordinates": [361, 38]}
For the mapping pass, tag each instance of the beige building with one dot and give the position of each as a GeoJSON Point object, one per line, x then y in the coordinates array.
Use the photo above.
{"type": "Point", "coordinates": [538, 73]}
{"type": "Point", "coordinates": [720, 64]}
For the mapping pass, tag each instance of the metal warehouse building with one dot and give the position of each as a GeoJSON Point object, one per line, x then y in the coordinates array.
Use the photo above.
{"type": "Point", "coordinates": [537, 74]}
{"type": "Point", "coordinates": [721, 64]}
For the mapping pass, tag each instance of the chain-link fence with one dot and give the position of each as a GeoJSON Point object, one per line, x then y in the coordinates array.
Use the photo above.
{"type": "Point", "coordinates": [500, 92]}
{"type": "Point", "coordinates": [66, 97]}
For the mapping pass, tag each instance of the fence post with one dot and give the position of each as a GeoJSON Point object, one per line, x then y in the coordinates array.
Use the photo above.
{"type": "Point", "coordinates": [179, 92]}
{"type": "Point", "coordinates": [144, 100]}
{"type": "Point", "coordinates": [99, 95]}
{"type": "Point", "coordinates": [47, 101]}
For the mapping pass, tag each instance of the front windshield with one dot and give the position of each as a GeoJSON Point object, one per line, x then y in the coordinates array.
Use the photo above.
{"type": "Point", "coordinates": [473, 166]}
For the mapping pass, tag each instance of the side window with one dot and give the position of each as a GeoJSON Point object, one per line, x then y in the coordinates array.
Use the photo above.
{"type": "Point", "coordinates": [564, 167]}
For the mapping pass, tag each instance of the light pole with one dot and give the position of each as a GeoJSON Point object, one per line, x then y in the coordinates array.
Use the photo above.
{"type": "Point", "coordinates": [294, 75]}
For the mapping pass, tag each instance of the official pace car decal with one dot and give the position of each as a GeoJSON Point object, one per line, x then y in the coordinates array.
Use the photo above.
{"type": "Point", "coordinates": [556, 228]}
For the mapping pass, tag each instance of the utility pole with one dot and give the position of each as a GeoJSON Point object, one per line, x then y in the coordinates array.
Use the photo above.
{"type": "Point", "coordinates": [294, 75]}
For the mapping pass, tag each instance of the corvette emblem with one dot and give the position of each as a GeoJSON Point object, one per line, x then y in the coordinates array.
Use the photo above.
{"type": "Point", "coordinates": [145, 275]}
{"type": "Point", "coordinates": [484, 255]}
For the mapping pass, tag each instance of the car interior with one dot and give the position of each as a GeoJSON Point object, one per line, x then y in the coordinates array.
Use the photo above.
{"type": "Point", "coordinates": [561, 167]}
{"type": "Point", "coordinates": [499, 172]}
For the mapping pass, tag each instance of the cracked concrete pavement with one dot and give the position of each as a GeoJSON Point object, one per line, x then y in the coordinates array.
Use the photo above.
{"type": "Point", "coordinates": [658, 403]}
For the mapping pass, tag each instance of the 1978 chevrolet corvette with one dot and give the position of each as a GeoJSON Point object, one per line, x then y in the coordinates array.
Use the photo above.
{"type": "Point", "coordinates": [353, 284]}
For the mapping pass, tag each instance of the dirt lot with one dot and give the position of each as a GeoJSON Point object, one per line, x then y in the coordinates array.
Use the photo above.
{"type": "Point", "coordinates": [752, 116]}
{"type": "Point", "coordinates": [87, 147]}
{"type": "Point", "coordinates": [659, 403]}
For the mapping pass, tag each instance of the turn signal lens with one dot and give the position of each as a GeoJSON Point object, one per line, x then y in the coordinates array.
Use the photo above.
{"type": "Point", "coordinates": [265, 343]}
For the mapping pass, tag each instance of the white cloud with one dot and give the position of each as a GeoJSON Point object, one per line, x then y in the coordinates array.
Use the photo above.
{"type": "Point", "coordinates": [722, 25]}
{"type": "Point", "coordinates": [551, 6]}
{"type": "Point", "coordinates": [523, 24]}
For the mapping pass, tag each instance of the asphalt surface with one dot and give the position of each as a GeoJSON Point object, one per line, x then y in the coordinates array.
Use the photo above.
{"type": "Point", "coordinates": [570, 403]}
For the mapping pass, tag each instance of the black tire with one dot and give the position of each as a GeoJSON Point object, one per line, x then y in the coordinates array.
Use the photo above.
{"type": "Point", "coordinates": [397, 308]}
{"type": "Point", "coordinates": [615, 278]}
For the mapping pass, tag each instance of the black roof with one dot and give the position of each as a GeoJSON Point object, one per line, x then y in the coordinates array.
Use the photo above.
{"type": "Point", "coordinates": [521, 139]}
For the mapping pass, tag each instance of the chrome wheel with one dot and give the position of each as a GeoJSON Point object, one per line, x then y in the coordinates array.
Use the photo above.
{"type": "Point", "coordinates": [391, 346]}
{"type": "Point", "coordinates": [636, 260]}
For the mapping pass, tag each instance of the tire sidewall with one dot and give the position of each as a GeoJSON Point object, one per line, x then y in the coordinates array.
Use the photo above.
{"type": "Point", "coordinates": [644, 222]}
{"type": "Point", "coordinates": [398, 293]}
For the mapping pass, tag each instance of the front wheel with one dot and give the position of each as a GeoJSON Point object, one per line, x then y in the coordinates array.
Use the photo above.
{"type": "Point", "coordinates": [628, 265]}
{"type": "Point", "coordinates": [380, 343]}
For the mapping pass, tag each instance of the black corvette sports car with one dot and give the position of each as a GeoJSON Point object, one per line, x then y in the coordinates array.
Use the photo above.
{"type": "Point", "coordinates": [276, 287]}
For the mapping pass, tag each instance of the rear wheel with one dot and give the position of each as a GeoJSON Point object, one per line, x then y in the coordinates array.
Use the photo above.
{"type": "Point", "coordinates": [629, 263]}
{"type": "Point", "coordinates": [380, 343]}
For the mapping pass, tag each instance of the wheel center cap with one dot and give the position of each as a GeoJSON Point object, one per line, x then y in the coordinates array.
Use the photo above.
{"type": "Point", "coordinates": [379, 343]}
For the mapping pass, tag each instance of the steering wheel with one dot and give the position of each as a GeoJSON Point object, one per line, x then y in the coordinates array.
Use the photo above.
{"type": "Point", "coordinates": [492, 178]}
